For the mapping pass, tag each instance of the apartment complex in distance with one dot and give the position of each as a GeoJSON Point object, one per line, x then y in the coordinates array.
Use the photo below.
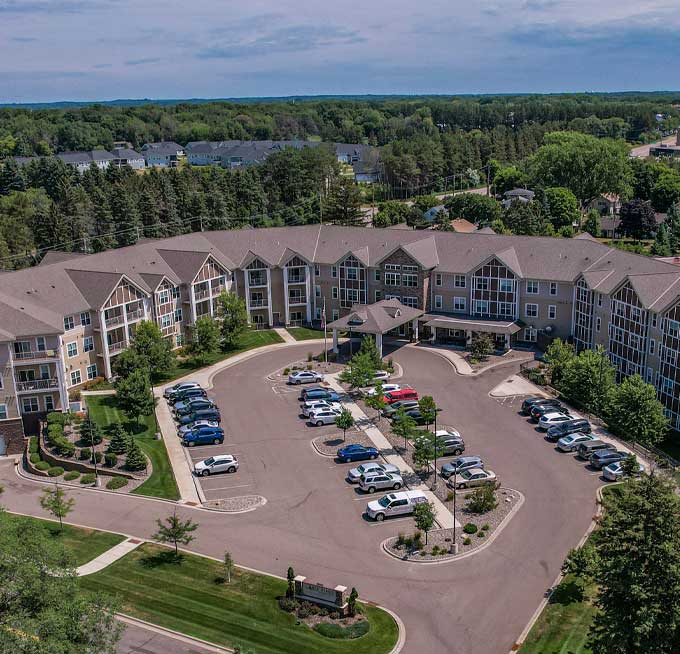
{"type": "Point", "coordinates": [64, 321]}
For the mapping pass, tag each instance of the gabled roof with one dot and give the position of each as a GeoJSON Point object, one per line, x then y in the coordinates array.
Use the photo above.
{"type": "Point", "coordinates": [95, 287]}
{"type": "Point", "coordinates": [377, 318]}
{"type": "Point", "coordinates": [595, 277]}
{"type": "Point", "coordinates": [509, 258]}
{"type": "Point", "coordinates": [153, 280]}
{"type": "Point", "coordinates": [651, 287]}
{"type": "Point", "coordinates": [55, 256]}
{"type": "Point", "coordinates": [424, 252]}
{"type": "Point", "coordinates": [250, 256]}
{"type": "Point", "coordinates": [289, 254]}
{"type": "Point", "coordinates": [185, 264]}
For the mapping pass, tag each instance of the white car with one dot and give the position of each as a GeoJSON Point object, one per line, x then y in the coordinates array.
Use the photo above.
{"type": "Point", "coordinates": [615, 471]}
{"type": "Point", "coordinates": [381, 375]}
{"type": "Point", "coordinates": [304, 377]}
{"type": "Point", "coordinates": [317, 405]}
{"type": "Point", "coordinates": [216, 464]}
{"type": "Point", "coordinates": [571, 442]}
{"type": "Point", "coordinates": [195, 425]}
{"type": "Point", "coordinates": [355, 474]}
{"type": "Point", "coordinates": [550, 419]}
{"type": "Point", "coordinates": [474, 477]}
{"type": "Point", "coordinates": [324, 417]}
{"type": "Point", "coordinates": [386, 388]}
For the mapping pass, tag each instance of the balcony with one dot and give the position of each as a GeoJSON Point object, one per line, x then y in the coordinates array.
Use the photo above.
{"type": "Point", "coordinates": [114, 348]}
{"type": "Point", "coordinates": [216, 290]}
{"type": "Point", "coordinates": [297, 299]}
{"type": "Point", "coordinates": [168, 331]}
{"type": "Point", "coordinates": [114, 321]}
{"type": "Point", "coordinates": [258, 304]}
{"type": "Point", "coordinates": [201, 294]}
{"type": "Point", "coordinates": [135, 314]}
{"type": "Point", "coordinates": [37, 385]}
{"type": "Point", "coordinates": [296, 278]}
{"type": "Point", "coordinates": [32, 355]}
{"type": "Point", "coordinates": [257, 280]}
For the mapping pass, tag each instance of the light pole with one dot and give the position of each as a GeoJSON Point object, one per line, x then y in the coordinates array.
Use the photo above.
{"type": "Point", "coordinates": [153, 399]}
{"type": "Point", "coordinates": [94, 454]}
{"type": "Point", "coordinates": [454, 546]}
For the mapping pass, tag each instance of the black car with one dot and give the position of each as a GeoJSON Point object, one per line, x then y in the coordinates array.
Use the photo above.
{"type": "Point", "coordinates": [531, 402]}
{"type": "Point", "coordinates": [213, 415]}
{"type": "Point", "coordinates": [599, 460]}
{"type": "Point", "coordinates": [391, 409]}
{"type": "Point", "coordinates": [556, 432]}
{"type": "Point", "coordinates": [416, 415]}
{"type": "Point", "coordinates": [538, 411]}
{"type": "Point", "coordinates": [187, 394]}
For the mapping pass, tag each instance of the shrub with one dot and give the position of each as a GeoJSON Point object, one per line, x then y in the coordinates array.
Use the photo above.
{"type": "Point", "coordinates": [485, 527]}
{"type": "Point", "coordinates": [483, 499]}
{"type": "Point", "coordinates": [400, 540]}
{"type": "Point", "coordinates": [34, 458]}
{"type": "Point", "coordinates": [481, 534]}
{"type": "Point", "coordinates": [98, 457]}
{"type": "Point", "coordinates": [286, 372]}
{"type": "Point", "coordinates": [63, 447]}
{"type": "Point", "coordinates": [449, 496]}
{"type": "Point", "coordinates": [110, 460]}
{"type": "Point", "coordinates": [88, 478]}
{"type": "Point", "coordinates": [70, 476]}
{"type": "Point", "coordinates": [312, 608]}
{"type": "Point", "coordinates": [57, 418]}
{"type": "Point", "coordinates": [470, 528]}
{"type": "Point", "coordinates": [287, 604]}
{"type": "Point", "coordinates": [33, 445]}
{"type": "Point", "coordinates": [309, 366]}
{"type": "Point", "coordinates": [435, 550]}
{"type": "Point", "coordinates": [408, 541]}
{"type": "Point", "coordinates": [334, 615]}
{"type": "Point", "coordinates": [310, 356]}
{"type": "Point", "coordinates": [55, 430]}
{"type": "Point", "coordinates": [390, 365]}
{"type": "Point", "coordinates": [116, 482]}
{"type": "Point", "coordinates": [467, 541]}
{"type": "Point", "coordinates": [339, 632]}
{"type": "Point", "coordinates": [42, 465]}
{"type": "Point", "coordinates": [423, 552]}
{"type": "Point", "coordinates": [324, 613]}
{"type": "Point", "coordinates": [85, 454]}
{"type": "Point", "coordinates": [418, 539]}
{"type": "Point", "coordinates": [55, 471]}
{"type": "Point", "coordinates": [303, 612]}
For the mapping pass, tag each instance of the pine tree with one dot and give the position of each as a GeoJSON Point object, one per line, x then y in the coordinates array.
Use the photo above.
{"type": "Point", "coordinates": [90, 433]}
{"type": "Point", "coordinates": [134, 457]}
{"type": "Point", "coordinates": [120, 439]}
{"type": "Point", "coordinates": [662, 242]}
{"type": "Point", "coordinates": [124, 215]}
{"type": "Point", "coordinates": [11, 178]}
{"type": "Point", "coordinates": [673, 222]}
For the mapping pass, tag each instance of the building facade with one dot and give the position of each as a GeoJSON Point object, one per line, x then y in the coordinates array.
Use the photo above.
{"type": "Point", "coordinates": [62, 323]}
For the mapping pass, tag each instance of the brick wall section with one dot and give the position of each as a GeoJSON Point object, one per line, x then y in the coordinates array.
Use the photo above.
{"type": "Point", "coordinates": [400, 258]}
{"type": "Point", "coordinates": [13, 433]}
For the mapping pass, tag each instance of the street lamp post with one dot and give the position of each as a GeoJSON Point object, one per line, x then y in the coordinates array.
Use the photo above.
{"type": "Point", "coordinates": [454, 546]}
{"type": "Point", "coordinates": [153, 398]}
{"type": "Point", "coordinates": [94, 453]}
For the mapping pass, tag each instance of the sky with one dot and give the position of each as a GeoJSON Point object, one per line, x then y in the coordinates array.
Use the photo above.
{"type": "Point", "coordinates": [85, 50]}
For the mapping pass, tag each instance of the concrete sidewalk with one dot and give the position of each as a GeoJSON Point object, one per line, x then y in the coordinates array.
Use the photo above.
{"type": "Point", "coordinates": [285, 335]}
{"type": "Point", "coordinates": [443, 515]}
{"type": "Point", "coordinates": [109, 557]}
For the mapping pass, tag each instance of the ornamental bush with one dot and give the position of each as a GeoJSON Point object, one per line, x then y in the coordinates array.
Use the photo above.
{"type": "Point", "coordinates": [33, 445]}
{"type": "Point", "coordinates": [116, 482]}
{"type": "Point", "coordinates": [120, 439]}
{"type": "Point", "coordinates": [42, 465]}
{"type": "Point", "coordinates": [135, 459]}
{"type": "Point", "coordinates": [85, 454]}
{"type": "Point", "coordinates": [34, 458]}
{"type": "Point", "coordinates": [470, 528]}
{"type": "Point", "coordinates": [70, 476]}
{"type": "Point", "coordinates": [110, 460]}
{"type": "Point", "coordinates": [55, 471]}
{"type": "Point", "coordinates": [57, 418]}
{"type": "Point", "coordinates": [88, 478]}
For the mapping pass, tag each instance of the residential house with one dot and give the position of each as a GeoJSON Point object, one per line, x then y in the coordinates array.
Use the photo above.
{"type": "Point", "coordinates": [517, 195]}
{"type": "Point", "coordinates": [164, 154]}
{"type": "Point", "coordinates": [128, 157]}
{"type": "Point", "coordinates": [607, 204]}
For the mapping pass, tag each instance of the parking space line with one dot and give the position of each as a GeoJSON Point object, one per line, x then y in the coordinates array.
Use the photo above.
{"type": "Point", "coordinates": [210, 490]}
{"type": "Point", "coordinates": [391, 521]}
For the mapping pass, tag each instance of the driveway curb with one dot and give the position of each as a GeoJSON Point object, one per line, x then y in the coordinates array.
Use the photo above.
{"type": "Point", "coordinates": [459, 557]}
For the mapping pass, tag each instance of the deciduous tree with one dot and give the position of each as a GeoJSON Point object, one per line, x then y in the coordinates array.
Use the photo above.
{"type": "Point", "coordinates": [176, 531]}
{"type": "Point", "coordinates": [134, 396]}
{"type": "Point", "coordinates": [205, 338]}
{"type": "Point", "coordinates": [424, 516]}
{"type": "Point", "coordinates": [54, 501]}
{"type": "Point", "coordinates": [231, 310]}
{"type": "Point", "coordinates": [344, 421]}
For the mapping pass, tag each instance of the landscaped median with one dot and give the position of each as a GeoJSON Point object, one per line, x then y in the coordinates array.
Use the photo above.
{"type": "Point", "coordinates": [195, 599]}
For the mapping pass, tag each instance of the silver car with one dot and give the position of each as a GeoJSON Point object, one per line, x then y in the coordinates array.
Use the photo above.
{"type": "Point", "coordinates": [475, 477]}
{"type": "Point", "coordinates": [324, 417]}
{"type": "Point", "coordinates": [366, 469]}
{"type": "Point", "coordinates": [571, 442]}
{"type": "Point", "coordinates": [184, 429]}
{"type": "Point", "coordinates": [380, 481]}
{"type": "Point", "coordinates": [457, 466]}
{"type": "Point", "coordinates": [304, 377]}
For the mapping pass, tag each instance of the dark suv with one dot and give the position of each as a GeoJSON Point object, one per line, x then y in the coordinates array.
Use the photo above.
{"type": "Point", "coordinates": [203, 414]}
{"type": "Point", "coordinates": [556, 432]}
{"type": "Point", "coordinates": [531, 402]}
{"type": "Point", "coordinates": [538, 411]}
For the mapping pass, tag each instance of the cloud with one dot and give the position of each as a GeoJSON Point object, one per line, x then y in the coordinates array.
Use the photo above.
{"type": "Point", "coordinates": [40, 75]}
{"type": "Point", "coordinates": [294, 38]}
{"type": "Point", "coordinates": [140, 62]}
{"type": "Point", "coordinates": [23, 39]}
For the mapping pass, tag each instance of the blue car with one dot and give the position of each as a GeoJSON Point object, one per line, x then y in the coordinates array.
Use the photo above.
{"type": "Point", "coordinates": [204, 436]}
{"type": "Point", "coordinates": [356, 452]}
{"type": "Point", "coordinates": [196, 404]}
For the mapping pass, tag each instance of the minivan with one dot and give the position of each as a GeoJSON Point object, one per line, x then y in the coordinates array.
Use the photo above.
{"type": "Point", "coordinates": [395, 504]}
{"type": "Point", "coordinates": [403, 394]}
{"type": "Point", "coordinates": [586, 449]}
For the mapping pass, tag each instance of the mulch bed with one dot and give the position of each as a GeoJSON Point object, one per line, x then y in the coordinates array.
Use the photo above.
{"type": "Point", "coordinates": [441, 539]}
{"type": "Point", "coordinates": [330, 444]}
{"type": "Point", "coordinates": [235, 504]}
{"type": "Point", "coordinates": [493, 359]}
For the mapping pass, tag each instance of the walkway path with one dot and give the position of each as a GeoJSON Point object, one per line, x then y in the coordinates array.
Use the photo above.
{"type": "Point", "coordinates": [443, 515]}
{"type": "Point", "coordinates": [109, 557]}
{"type": "Point", "coordinates": [285, 335]}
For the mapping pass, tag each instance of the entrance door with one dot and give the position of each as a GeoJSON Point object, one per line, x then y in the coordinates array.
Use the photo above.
{"type": "Point", "coordinates": [276, 318]}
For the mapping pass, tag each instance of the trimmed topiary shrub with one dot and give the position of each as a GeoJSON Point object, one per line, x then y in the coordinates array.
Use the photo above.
{"type": "Point", "coordinates": [116, 482]}
{"type": "Point", "coordinates": [88, 478]}
{"type": "Point", "coordinates": [57, 418]}
{"type": "Point", "coordinates": [55, 471]}
{"type": "Point", "coordinates": [111, 460]}
{"type": "Point", "coordinates": [64, 448]}
{"type": "Point", "coordinates": [470, 528]}
{"type": "Point", "coordinates": [288, 605]}
{"type": "Point", "coordinates": [467, 541]}
{"type": "Point", "coordinates": [135, 459]}
{"type": "Point", "coordinates": [34, 458]}
{"type": "Point", "coordinates": [85, 454]}
{"type": "Point", "coordinates": [42, 465]}
{"type": "Point", "coordinates": [33, 445]}
{"type": "Point", "coordinates": [71, 476]}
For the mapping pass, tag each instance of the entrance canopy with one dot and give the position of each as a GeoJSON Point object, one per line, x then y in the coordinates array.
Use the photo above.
{"type": "Point", "coordinates": [469, 323]}
{"type": "Point", "coordinates": [376, 319]}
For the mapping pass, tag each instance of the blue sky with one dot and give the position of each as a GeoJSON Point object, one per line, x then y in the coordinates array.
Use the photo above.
{"type": "Point", "coordinates": [107, 49]}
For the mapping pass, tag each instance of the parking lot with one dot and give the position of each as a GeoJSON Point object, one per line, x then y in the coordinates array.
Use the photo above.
{"type": "Point", "coordinates": [314, 519]}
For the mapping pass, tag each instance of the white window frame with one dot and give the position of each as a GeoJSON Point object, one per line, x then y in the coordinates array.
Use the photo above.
{"type": "Point", "coordinates": [166, 320]}
{"type": "Point", "coordinates": [652, 345]}
{"type": "Point", "coordinates": [69, 353]}
{"type": "Point", "coordinates": [79, 375]}
{"type": "Point", "coordinates": [85, 318]}
{"type": "Point", "coordinates": [88, 344]}
{"type": "Point", "coordinates": [531, 289]}
{"type": "Point", "coordinates": [30, 400]}
{"type": "Point", "coordinates": [460, 304]}
{"type": "Point", "coordinates": [377, 296]}
{"type": "Point", "coordinates": [392, 279]}
{"type": "Point", "coordinates": [69, 323]}
{"type": "Point", "coordinates": [334, 271]}
{"type": "Point", "coordinates": [48, 403]}
{"type": "Point", "coordinates": [410, 280]}
{"type": "Point", "coordinates": [410, 301]}
{"type": "Point", "coordinates": [317, 270]}
{"type": "Point", "coordinates": [91, 368]}
{"type": "Point", "coordinates": [552, 312]}
{"type": "Point", "coordinates": [335, 314]}
{"type": "Point", "coordinates": [377, 275]}
{"type": "Point", "coordinates": [504, 282]}
{"type": "Point", "coordinates": [598, 324]}
{"type": "Point", "coordinates": [40, 344]}
{"type": "Point", "coordinates": [177, 315]}
{"type": "Point", "coordinates": [530, 334]}
{"type": "Point", "coordinates": [553, 288]}
{"type": "Point", "coordinates": [459, 281]}
{"type": "Point", "coordinates": [481, 307]}
{"type": "Point", "coordinates": [164, 296]}
{"type": "Point", "coordinates": [438, 301]}
{"type": "Point", "coordinates": [438, 279]}
{"type": "Point", "coordinates": [334, 293]}
{"type": "Point", "coordinates": [526, 310]}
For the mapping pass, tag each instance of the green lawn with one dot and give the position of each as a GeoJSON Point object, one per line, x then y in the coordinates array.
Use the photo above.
{"type": "Point", "coordinates": [191, 599]}
{"type": "Point", "coordinates": [562, 627]}
{"type": "Point", "coordinates": [249, 340]}
{"type": "Point", "coordinates": [84, 544]}
{"type": "Point", "coordinates": [161, 482]}
{"type": "Point", "coordinates": [307, 333]}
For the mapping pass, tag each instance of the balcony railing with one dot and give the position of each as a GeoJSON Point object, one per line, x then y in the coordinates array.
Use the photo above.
{"type": "Point", "coordinates": [117, 347]}
{"type": "Point", "coordinates": [36, 354]}
{"type": "Point", "coordinates": [257, 281]}
{"type": "Point", "coordinates": [136, 314]}
{"type": "Point", "coordinates": [37, 385]}
{"type": "Point", "coordinates": [201, 294]}
{"type": "Point", "coordinates": [258, 303]}
{"type": "Point", "coordinates": [216, 290]}
{"type": "Point", "coordinates": [113, 321]}
{"type": "Point", "coordinates": [297, 299]}
{"type": "Point", "coordinates": [167, 331]}
{"type": "Point", "coordinates": [296, 279]}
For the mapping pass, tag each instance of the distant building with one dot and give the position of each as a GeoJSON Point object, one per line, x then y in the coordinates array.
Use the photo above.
{"type": "Point", "coordinates": [666, 150]}
{"type": "Point", "coordinates": [523, 195]}
{"type": "Point", "coordinates": [607, 204]}
{"type": "Point", "coordinates": [610, 225]}
{"type": "Point", "coordinates": [431, 214]}
{"type": "Point", "coordinates": [128, 157]}
{"type": "Point", "coordinates": [166, 154]}
{"type": "Point", "coordinates": [82, 161]}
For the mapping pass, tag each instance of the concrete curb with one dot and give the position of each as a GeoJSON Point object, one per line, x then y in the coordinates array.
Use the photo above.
{"type": "Point", "coordinates": [459, 557]}
{"type": "Point", "coordinates": [401, 629]}
{"type": "Point", "coordinates": [318, 451]}
{"type": "Point", "coordinates": [228, 512]}
{"type": "Point", "coordinates": [544, 602]}
{"type": "Point", "coordinates": [170, 633]}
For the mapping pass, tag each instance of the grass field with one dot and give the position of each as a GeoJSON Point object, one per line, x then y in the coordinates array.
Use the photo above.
{"type": "Point", "coordinates": [161, 482]}
{"type": "Point", "coordinates": [84, 544]}
{"type": "Point", "coordinates": [249, 340]}
{"type": "Point", "coordinates": [307, 333]}
{"type": "Point", "coordinates": [193, 600]}
{"type": "Point", "coordinates": [562, 627]}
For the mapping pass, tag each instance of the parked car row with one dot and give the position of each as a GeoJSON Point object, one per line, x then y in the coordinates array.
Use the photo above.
{"type": "Point", "coordinates": [321, 406]}
{"type": "Point", "coordinates": [198, 423]}
{"type": "Point", "coordinates": [574, 435]}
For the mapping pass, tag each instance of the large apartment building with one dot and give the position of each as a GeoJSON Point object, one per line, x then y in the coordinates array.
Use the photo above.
{"type": "Point", "coordinates": [63, 322]}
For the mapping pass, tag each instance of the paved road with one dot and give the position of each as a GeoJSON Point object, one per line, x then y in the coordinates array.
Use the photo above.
{"type": "Point", "coordinates": [314, 522]}
{"type": "Point", "coordinates": [137, 640]}
{"type": "Point", "coordinates": [642, 151]}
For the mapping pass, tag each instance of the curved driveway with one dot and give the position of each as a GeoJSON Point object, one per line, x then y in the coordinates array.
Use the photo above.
{"type": "Point", "coordinates": [313, 522]}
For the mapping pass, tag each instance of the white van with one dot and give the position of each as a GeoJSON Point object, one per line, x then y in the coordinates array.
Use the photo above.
{"type": "Point", "coordinates": [394, 504]}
